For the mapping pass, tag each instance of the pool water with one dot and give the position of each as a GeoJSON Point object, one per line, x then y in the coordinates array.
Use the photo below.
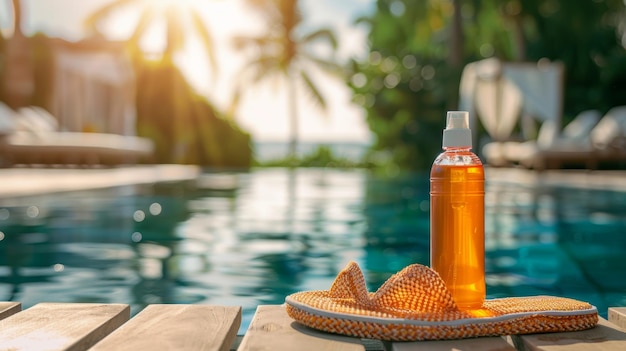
{"type": "Point", "coordinates": [252, 238]}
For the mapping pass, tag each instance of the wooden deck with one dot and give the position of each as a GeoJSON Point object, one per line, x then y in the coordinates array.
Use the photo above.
{"type": "Point", "coordinates": [92, 326]}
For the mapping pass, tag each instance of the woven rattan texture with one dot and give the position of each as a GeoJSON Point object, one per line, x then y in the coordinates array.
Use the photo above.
{"type": "Point", "coordinates": [418, 294]}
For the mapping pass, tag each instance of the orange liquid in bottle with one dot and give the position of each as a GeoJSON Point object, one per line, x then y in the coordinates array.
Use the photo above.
{"type": "Point", "coordinates": [457, 250]}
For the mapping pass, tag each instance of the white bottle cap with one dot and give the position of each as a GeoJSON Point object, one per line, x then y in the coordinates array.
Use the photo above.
{"type": "Point", "coordinates": [457, 132]}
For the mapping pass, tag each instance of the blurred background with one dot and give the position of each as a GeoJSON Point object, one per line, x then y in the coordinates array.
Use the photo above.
{"type": "Point", "coordinates": [313, 125]}
{"type": "Point", "coordinates": [222, 83]}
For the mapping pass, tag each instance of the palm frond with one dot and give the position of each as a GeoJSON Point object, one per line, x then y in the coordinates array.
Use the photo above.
{"type": "Point", "coordinates": [261, 68]}
{"type": "Point", "coordinates": [260, 4]}
{"type": "Point", "coordinates": [91, 22]}
{"type": "Point", "coordinates": [241, 42]}
{"type": "Point", "coordinates": [234, 101]}
{"type": "Point", "coordinates": [264, 67]}
{"type": "Point", "coordinates": [206, 38]}
{"type": "Point", "coordinates": [279, 50]}
{"type": "Point", "coordinates": [313, 90]}
{"type": "Point", "coordinates": [175, 35]}
{"type": "Point", "coordinates": [327, 65]}
{"type": "Point", "coordinates": [267, 8]}
{"type": "Point", "coordinates": [321, 34]}
{"type": "Point", "coordinates": [290, 16]}
{"type": "Point", "coordinates": [142, 26]}
{"type": "Point", "coordinates": [364, 20]}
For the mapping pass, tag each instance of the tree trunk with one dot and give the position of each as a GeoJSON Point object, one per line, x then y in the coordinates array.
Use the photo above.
{"type": "Point", "coordinates": [17, 18]}
{"type": "Point", "coordinates": [455, 58]}
{"type": "Point", "coordinates": [18, 80]}
{"type": "Point", "coordinates": [520, 41]}
{"type": "Point", "coordinates": [292, 114]}
{"type": "Point", "coordinates": [455, 55]}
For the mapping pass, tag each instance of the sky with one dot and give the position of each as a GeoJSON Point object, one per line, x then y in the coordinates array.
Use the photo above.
{"type": "Point", "coordinates": [263, 108]}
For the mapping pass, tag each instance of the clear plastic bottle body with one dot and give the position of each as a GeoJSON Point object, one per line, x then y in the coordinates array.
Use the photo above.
{"type": "Point", "coordinates": [457, 221]}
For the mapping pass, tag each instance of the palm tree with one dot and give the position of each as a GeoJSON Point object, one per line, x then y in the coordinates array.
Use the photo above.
{"type": "Point", "coordinates": [18, 74]}
{"type": "Point", "coordinates": [282, 51]}
{"type": "Point", "coordinates": [176, 14]}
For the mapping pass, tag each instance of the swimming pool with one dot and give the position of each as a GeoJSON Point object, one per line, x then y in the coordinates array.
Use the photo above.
{"type": "Point", "coordinates": [252, 238]}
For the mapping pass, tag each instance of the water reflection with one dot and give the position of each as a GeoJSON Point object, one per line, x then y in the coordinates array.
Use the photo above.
{"type": "Point", "coordinates": [548, 240]}
{"type": "Point", "coordinates": [397, 232]}
{"type": "Point", "coordinates": [252, 238]}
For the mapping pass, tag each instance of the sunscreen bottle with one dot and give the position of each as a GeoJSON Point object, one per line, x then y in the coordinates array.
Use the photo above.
{"type": "Point", "coordinates": [457, 214]}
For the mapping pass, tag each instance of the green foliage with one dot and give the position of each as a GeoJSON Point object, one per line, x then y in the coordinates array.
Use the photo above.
{"type": "Point", "coordinates": [411, 77]}
{"type": "Point", "coordinates": [404, 107]}
{"type": "Point", "coordinates": [584, 36]}
{"type": "Point", "coordinates": [321, 157]}
{"type": "Point", "coordinates": [185, 127]}
{"type": "Point", "coordinates": [405, 83]}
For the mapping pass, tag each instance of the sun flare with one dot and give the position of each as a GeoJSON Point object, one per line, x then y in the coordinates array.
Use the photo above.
{"type": "Point", "coordinates": [166, 4]}
{"type": "Point", "coordinates": [158, 27]}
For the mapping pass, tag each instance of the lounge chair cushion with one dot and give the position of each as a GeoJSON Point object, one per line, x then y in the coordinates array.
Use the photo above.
{"type": "Point", "coordinates": [548, 133]}
{"type": "Point", "coordinates": [580, 127]}
{"type": "Point", "coordinates": [37, 120]}
{"type": "Point", "coordinates": [7, 120]}
{"type": "Point", "coordinates": [35, 139]}
{"type": "Point", "coordinates": [575, 135]}
{"type": "Point", "coordinates": [572, 141]}
{"type": "Point", "coordinates": [610, 130]}
{"type": "Point", "coordinates": [82, 148]}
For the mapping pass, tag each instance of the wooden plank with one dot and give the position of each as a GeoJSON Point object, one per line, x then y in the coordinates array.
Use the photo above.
{"type": "Point", "coordinates": [617, 316]}
{"type": "Point", "coordinates": [9, 308]}
{"type": "Point", "coordinates": [474, 344]}
{"type": "Point", "coordinates": [606, 336]}
{"type": "Point", "coordinates": [272, 329]}
{"type": "Point", "coordinates": [177, 327]}
{"type": "Point", "coordinates": [61, 326]}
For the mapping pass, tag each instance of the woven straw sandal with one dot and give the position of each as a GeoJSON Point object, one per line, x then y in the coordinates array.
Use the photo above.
{"type": "Point", "coordinates": [415, 304]}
